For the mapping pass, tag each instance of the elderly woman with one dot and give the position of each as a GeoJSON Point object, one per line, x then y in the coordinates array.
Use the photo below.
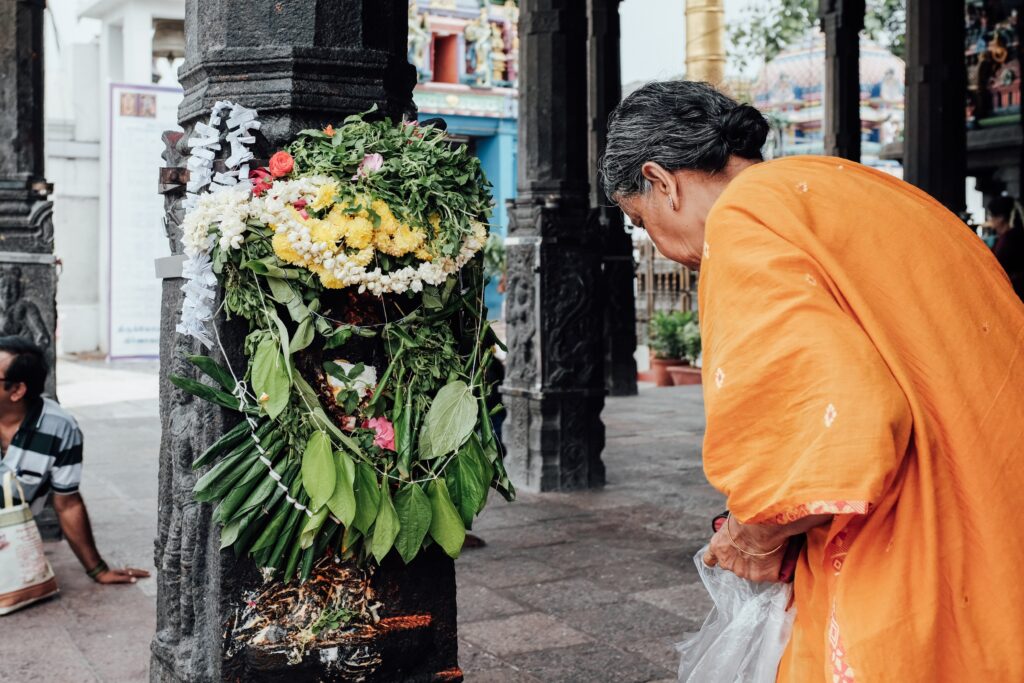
{"type": "Point", "coordinates": [863, 383]}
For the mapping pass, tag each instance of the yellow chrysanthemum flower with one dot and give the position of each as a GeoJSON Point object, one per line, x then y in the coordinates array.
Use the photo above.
{"type": "Point", "coordinates": [435, 222]}
{"type": "Point", "coordinates": [325, 196]}
{"type": "Point", "coordinates": [284, 249]}
{"type": "Point", "coordinates": [327, 278]}
{"type": "Point", "coordinates": [408, 239]}
{"type": "Point", "coordinates": [423, 254]}
{"type": "Point", "coordinates": [359, 233]}
{"type": "Point", "coordinates": [363, 258]}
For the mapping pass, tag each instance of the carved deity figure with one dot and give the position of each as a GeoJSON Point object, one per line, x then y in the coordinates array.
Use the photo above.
{"type": "Point", "coordinates": [498, 56]}
{"type": "Point", "coordinates": [20, 316]}
{"type": "Point", "coordinates": [479, 48]}
{"type": "Point", "coordinates": [419, 41]}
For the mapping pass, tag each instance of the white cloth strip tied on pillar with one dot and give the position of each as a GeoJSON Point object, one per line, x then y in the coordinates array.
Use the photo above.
{"type": "Point", "coordinates": [200, 286]}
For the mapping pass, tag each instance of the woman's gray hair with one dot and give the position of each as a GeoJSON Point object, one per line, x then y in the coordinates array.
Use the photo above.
{"type": "Point", "coordinates": [677, 125]}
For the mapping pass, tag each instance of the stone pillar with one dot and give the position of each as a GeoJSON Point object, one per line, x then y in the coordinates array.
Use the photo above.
{"type": "Point", "coordinates": [28, 278]}
{"type": "Point", "coordinates": [705, 41]}
{"type": "Point", "coordinates": [935, 138]}
{"type": "Point", "coordinates": [842, 22]}
{"type": "Point", "coordinates": [605, 78]}
{"type": "Point", "coordinates": [554, 388]}
{"type": "Point", "coordinates": [28, 283]}
{"type": "Point", "coordinates": [300, 64]}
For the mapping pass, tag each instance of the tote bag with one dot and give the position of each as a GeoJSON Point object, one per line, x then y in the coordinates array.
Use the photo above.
{"type": "Point", "coordinates": [25, 574]}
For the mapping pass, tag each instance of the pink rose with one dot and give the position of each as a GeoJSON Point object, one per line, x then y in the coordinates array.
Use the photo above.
{"type": "Point", "coordinates": [371, 163]}
{"type": "Point", "coordinates": [385, 437]}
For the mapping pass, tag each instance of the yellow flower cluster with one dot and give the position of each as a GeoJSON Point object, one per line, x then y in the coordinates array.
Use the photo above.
{"type": "Point", "coordinates": [349, 229]}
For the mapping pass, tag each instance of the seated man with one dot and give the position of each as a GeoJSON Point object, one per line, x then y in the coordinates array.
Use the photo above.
{"type": "Point", "coordinates": [42, 446]}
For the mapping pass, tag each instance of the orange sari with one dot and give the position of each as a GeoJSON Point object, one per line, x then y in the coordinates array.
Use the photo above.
{"type": "Point", "coordinates": [863, 358]}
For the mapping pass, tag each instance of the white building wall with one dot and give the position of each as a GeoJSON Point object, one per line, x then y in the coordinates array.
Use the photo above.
{"type": "Point", "coordinates": [89, 44]}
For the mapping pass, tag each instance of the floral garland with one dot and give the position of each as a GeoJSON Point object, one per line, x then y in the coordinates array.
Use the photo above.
{"type": "Point", "coordinates": [197, 270]}
{"type": "Point", "coordinates": [356, 258]}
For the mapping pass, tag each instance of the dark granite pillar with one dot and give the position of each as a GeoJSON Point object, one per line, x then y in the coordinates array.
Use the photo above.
{"type": "Point", "coordinates": [842, 21]}
{"type": "Point", "coordinates": [300, 64]}
{"type": "Point", "coordinates": [618, 268]}
{"type": "Point", "coordinates": [28, 279]}
{"type": "Point", "coordinates": [935, 138]}
{"type": "Point", "coordinates": [554, 389]}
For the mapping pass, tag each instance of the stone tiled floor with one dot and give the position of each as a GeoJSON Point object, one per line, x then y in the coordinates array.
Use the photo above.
{"type": "Point", "coordinates": [594, 586]}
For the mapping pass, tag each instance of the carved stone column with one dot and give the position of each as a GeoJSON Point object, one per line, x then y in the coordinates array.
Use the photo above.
{"type": "Point", "coordinates": [27, 277]}
{"type": "Point", "coordinates": [554, 389]}
{"type": "Point", "coordinates": [301, 64]}
{"type": "Point", "coordinates": [935, 141]}
{"type": "Point", "coordinates": [842, 22]}
{"type": "Point", "coordinates": [618, 267]}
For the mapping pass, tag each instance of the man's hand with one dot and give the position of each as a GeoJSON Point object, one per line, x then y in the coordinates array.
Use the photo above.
{"type": "Point", "coordinates": [126, 575]}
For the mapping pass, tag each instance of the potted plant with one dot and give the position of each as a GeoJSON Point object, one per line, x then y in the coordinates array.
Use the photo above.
{"type": "Point", "coordinates": [666, 348]}
{"type": "Point", "coordinates": [688, 338]}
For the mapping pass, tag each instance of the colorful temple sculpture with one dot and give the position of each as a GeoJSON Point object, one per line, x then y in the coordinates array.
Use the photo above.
{"type": "Point", "coordinates": [466, 59]}
{"type": "Point", "coordinates": [790, 90]}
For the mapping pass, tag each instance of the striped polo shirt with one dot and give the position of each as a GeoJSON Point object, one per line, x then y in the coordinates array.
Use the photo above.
{"type": "Point", "coordinates": [46, 452]}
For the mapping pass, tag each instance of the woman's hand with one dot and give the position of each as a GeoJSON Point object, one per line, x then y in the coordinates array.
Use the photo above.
{"type": "Point", "coordinates": [725, 554]}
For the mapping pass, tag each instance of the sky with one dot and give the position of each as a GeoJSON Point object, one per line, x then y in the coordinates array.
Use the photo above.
{"type": "Point", "coordinates": [654, 37]}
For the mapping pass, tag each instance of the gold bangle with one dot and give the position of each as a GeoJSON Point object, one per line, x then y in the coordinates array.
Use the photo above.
{"type": "Point", "coordinates": [736, 545]}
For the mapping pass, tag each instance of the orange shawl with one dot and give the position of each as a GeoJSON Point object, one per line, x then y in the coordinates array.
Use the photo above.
{"type": "Point", "coordinates": [862, 357]}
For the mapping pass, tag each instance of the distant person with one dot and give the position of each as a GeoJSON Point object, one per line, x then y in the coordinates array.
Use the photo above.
{"type": "Point", "coordinates": [1005, 217]}
{"type": "Point", "coordinates": [863, 385]}
{"type": "Point", "coordinates": [42, 446]}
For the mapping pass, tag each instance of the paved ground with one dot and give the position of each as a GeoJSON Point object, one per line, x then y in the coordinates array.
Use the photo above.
{"type": "Point", "coordinates": [594, 586]}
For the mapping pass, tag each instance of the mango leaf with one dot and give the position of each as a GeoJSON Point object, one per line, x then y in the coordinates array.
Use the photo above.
{"type": "Point", "coordinates": [343, 501]}
{"type": "Point", "coordinates": [205, 392]}
{"type": "Point", "coordinates": [303, 336]}
{"type": "Point", "coordinates": [445, 524]}
{"type": "Point", "coordinates": [229, 534]}
{"type": "Point", "coordinates": [215, 371]}
{"type": "Point", "coordinates": [386, 528]}
{"type": "Point", "coordinates": [285, 294]}
{"type": "Point", "coordinates": [413, 508]}
{"type": "Point", "coordinates": [367, 497]}
{"type": "Point", "coordinates": [318, 470]}
{"type": "Point", "coordinates": [312, 527]}
{"type": "Point", "coordinates": [450, 420]}
{"type": "Point", "coordinates": [265, 266]}
{"type": "Point", "coordinates": [270, 377]}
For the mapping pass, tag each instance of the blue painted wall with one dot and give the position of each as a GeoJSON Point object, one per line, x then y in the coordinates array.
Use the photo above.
{"type": "Point", "coordinates": [496, 146]}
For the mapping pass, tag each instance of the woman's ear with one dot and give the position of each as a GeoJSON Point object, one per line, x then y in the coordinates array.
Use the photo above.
{"type": "Point", "coordinates": [663, 182]}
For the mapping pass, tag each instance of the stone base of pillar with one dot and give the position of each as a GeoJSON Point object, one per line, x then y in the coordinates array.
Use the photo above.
{"type": "Point", "coordinates": [554, 442]}
{"type": "Point", "coordinates": [554, 387]}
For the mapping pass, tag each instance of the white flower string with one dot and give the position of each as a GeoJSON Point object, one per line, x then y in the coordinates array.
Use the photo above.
{"type": "Point", "coordinates": [200, 286]}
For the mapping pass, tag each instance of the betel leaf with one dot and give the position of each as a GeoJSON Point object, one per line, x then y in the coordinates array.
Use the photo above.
{"type": "Point", "coordinates": [318, 470]}
{"type": "Point", "coordinates": [450, 420]}
{"type": "Point", "coordinates": [367, 497]}
{"type": "Point", "coordinates": [446, 526]}
{"type": "Point", "coordinates": [413, 508]}
{"type": "Point", "coordinates": [285, 294]}
{"type": "Point", "coordinates": [343, 500]}
{"type": "Point", "coordinates": [386, 528]}
{"type": "Point", "coordinates": [270, 377]}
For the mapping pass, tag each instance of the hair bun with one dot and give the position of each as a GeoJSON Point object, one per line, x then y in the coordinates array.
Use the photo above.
{"type": "Point", "coordinates": [744, 131]}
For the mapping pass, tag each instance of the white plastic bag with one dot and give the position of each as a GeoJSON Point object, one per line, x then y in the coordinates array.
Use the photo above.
{"type": "Point", "coordinates": [25, 574]}
{"type": "Point", "coordinates": [744, 636]}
